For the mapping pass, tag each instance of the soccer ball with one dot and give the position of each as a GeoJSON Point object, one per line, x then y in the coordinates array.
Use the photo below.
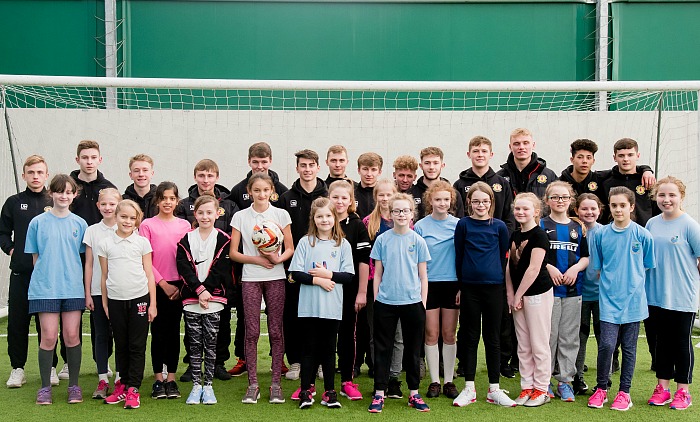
{"type": "Point", "coordinates": [267, 236]}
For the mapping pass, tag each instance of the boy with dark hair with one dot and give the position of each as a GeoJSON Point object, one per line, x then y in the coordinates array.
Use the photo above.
{"type": "Point", "coordinates": [337, 162]}
{"type": "Point", "coordinates": [480, 153]}
{"type": "Point", "coordinates": [206, 174]}
{"type": "Point", "coordinates": [259, 161]}
{"type": "Point", "coordinates": [431, 164]}
{"type": "Point", "coordinates": [585, 180]}
{"type": "Point", "coordinates": [369, 167]}
{"type": "Point", "coordinates": [17, 212]}
{"type": "Point", "coordinates": [142, 190]}
{"type": "Point", "coordinates": [524, 170]}
{"type": "Point", "coordinates": [297, 201]}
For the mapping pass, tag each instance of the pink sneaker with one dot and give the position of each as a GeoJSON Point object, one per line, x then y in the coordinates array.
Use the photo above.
{"type": "Point", "coordinates": [622, 401]}
{"type": "Point", "coordinates": [681, 400]}
{"type": "Point", "coordinates": [598, 399]}
{"type": "Point", "coordinates": [118, 395]}
{"type": "Point", "coordinates": [349, 390]}
{"type": "Point", "coordinates": [133, 399]}
{"type": "Point", "coordinates": [660, 397]}
{"type": "Point", "coordinates": [312, 390]}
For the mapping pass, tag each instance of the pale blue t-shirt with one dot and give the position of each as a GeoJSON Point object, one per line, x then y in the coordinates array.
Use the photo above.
{"type": "Point", "coordinates": [591, 279]}
{"type": "Point", "coordinates": [674, 285]}
{"type": "Point", "coordinates": [622, 256]}
{"type": "Point", "coordinates": [400, 255]}
{"type": "Point", "coordinates": [314, 301]}
{"type": "Point", "coordinates": [58, 273]}
{"type": "Point", "coordinates": [439, 235]}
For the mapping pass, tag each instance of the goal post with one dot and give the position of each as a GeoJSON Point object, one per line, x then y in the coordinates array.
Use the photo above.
{"type": "Point", "coordinates": [180, 121]}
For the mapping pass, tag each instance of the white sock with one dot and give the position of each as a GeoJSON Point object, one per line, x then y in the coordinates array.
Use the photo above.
{"type": "Point", "coordinates": [494, 387]}
{"type": "Point", "coordinates": [117, 377]}
{"type": "Point", "coordinates": [432, 358]}
{"type": "Point", "coordinates": [470, 384]}
{"type": "Point", "coordinates": [102, 377]}
{"type": "Point", "coordinates": [449, 357]}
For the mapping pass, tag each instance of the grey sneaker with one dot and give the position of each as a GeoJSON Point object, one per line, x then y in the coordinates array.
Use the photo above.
{"type": "Point", "coordinates": [102, 391]}
{"type": "Point", "coordinates": [276, 396]}
{"type": "Point", "coordinates": [252, 394]}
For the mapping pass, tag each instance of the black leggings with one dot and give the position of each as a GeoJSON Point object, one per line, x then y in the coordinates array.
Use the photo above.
{"type": "Point", "coordinates": [674, 348]}
{"type": "Point", "coordinates": [129, 320]}
{"type": "Point", "coordinates": [318, 348]}
{"type": "Point", "coordinates": [481, 304]}
{"type": "Point", "coordinates": [165, 333]}
{"type": "Point", "coordinates": [347, 338]}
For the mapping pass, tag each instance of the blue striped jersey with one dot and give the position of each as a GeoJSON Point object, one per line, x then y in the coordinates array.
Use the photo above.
{"type": "Point", "coordinates": [567, 245]}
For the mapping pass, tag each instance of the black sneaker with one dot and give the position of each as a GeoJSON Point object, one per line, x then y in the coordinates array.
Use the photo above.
{"type": "Point", "coordinates": [187, 375]}
{"type": "Point", "coordinates": [370, 373]}
{"type": "Point", "coordinates": [305, 399]}
{"type": "Point", "coordinates": [579, 385]}
{"type": "Point", "coordinates": [393, 390]}
{"type": "Point", "coordinates": [355, 372]}
{"type": "Point", "coordinates": [507, 371]}
{"type": "Point", "coordinates": [330, 399]}
{"type": "Point", "coordinates": [615, 365]}
{"type": "Point", "coordinates": [221, 373]}
{"type": "Point", "coordinates": [433, 390]}
{"type": "Point", "coordinates": [158, 390]}
{"type": "Point", "coordinates": [585, 368]}
{"type": "Point", "coordinates": [171, 390]}
{"type": "Point", "coordinates": [450, 390]}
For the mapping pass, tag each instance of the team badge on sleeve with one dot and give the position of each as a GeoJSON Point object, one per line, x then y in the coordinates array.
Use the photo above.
{"type": "Point", "coordinates": [593, 186]}
{"type": "Point", "coordinates": [274, 197]}
{"type": "Point", "coordinates": [541, 179]}
{"type": "Point", "coordinates": [47, 208]}
{"type": "Point", "coordinates": [497, 187]}
{"type": "Point", "coordinates": [640, 190]}
{"type": "Point", "coordinates": [221, 211]}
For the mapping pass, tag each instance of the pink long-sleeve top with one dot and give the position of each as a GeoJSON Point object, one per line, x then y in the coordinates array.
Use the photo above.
{"type": "Point", "coordinates": [164, 236]}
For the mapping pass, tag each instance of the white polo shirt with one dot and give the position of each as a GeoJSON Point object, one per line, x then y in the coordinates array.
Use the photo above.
{"type": "Point", "coordinates": [93, 235]}
{"type": "Point", "coordinates": [126, 278]}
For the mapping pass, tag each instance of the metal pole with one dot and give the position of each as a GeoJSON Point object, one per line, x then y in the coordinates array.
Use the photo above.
{"type": "Point", "coordinates": [10, 138]}
{"type": "Point", "coordinates": [658, 134]}
{"type": "Point", "coordinates": [601, 51]}
{"type": "Point", "coordinates": [111, 50]}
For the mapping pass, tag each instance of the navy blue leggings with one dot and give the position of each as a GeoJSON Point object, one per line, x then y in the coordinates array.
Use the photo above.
{"type": "Point", "coordinates": [609, 333]}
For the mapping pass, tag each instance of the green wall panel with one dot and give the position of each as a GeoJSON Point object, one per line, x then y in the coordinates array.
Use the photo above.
{"type": "Point", "coordinates": [361, 41]}
{"type": "Point", "coordinates": [51, 37]}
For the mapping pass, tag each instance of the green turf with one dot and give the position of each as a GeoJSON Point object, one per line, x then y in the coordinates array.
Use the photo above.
{"type": "Point", "coordinates": [18, 404]}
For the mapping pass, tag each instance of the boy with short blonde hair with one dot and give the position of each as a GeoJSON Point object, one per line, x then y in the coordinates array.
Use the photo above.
{"type": "Point", "coordinates": [369, 167]}
{"type": "Point", "coordinates": [142, 190]}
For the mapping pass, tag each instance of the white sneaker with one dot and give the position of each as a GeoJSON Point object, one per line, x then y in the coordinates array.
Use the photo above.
{"type": "Point", "coordinates": [466, 397]}
{"type": "Point", "coordinates": [17, 378]}
{"type": "Point", "coordinates": [319, 373]}
{"type": "Point", "coordinates": [63, 375]}
{"type": "Point", "coordinates": [109, 372]}
{"type": "Point", "coordinates": [54, 378]}
{"type": "Point", "coordinates": [500, 397]}
{"type": "Point", "coordinates": [294, 371]}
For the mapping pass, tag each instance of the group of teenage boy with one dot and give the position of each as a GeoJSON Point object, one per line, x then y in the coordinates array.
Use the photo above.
{"type": "Point", "coordinates": [524, 171]}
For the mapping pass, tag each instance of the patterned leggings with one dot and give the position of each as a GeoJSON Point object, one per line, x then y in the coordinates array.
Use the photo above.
{"type": "Point", "coordinates": [202, 330]}
{"type": "Point", "coordinates": [274, 293]}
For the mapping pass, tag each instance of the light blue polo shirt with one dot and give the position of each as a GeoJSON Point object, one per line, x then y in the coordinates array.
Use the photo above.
{"type": "Point", "coordinates": [314, 301]}
{"type": "Point", "coordinates": [400, 255]}
{"type": "Point", "coordinates": [622, 256]}
{"type": "Point", "coordinates": [58, 273]}
{"type": "Point", "coordinates": [439, 235]}
{"type": "Point", "coordinates": [674, 284]}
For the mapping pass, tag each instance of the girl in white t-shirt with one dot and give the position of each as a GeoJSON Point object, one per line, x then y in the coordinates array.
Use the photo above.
{"type": "Point", "coordinates": [102, 334]}
{"type": "Point", "coordinates": [263, 274]}
{"type": "Point", "coordinates": [128, 298]}
{"type": "Point", "coordinates": [322, 260]}
{"type": "Point", "coordinates": [204, 266]}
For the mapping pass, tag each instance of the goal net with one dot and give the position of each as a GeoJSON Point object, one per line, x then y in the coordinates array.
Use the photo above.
{"type": "Point", "coordinates": [180, 121]}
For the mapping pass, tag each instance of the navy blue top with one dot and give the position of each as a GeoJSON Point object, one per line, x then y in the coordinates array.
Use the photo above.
{"type": "Point", "coordinates": [567, 245]}
{"type": "Point", "coordinates": [480, 249]}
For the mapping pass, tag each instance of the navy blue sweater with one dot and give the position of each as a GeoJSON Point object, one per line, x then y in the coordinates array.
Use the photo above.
{"type": "Point", "coordinates": [481, 247]}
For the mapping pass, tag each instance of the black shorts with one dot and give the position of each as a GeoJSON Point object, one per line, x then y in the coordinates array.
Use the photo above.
{"type": "Point", "coordinates": [442, 294]}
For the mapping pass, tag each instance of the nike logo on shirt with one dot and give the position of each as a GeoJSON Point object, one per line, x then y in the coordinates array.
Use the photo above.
{"type": "Point", "coordinates": [199, 262]}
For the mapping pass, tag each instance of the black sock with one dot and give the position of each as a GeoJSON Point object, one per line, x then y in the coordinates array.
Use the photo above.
{"type": "Point", "coordinates": [74, 356]}
{"type": "Point", "coordinates": [45, 362]}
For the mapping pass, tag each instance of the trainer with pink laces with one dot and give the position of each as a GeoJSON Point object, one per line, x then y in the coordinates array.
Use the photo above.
{"type": "Point", "coordinates": [672, 292]}
{"type": "Point", "coordinates": [622, 251]}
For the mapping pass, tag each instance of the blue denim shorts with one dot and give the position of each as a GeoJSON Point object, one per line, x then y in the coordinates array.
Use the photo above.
{"type": "Point", "coordinates": [56, 305]}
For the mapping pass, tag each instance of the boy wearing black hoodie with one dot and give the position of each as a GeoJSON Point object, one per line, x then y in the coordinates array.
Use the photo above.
{"type": "Point", "coordinates": [206, 174]}
{"type": "Point", "coordinates": [259, 160]}
{"type": "Point", "coordinates": [524, 170]}
{"type": "Point", "coordinates": [17, 212]}
{"type": "Point", "coordinates": [432, 161]}
{"type": "Point", "coordinates": [142, 190]}
{"type": "Point", "coordinates": [297, 201]}
{"type": "Point", "coordinates": [369, 167]}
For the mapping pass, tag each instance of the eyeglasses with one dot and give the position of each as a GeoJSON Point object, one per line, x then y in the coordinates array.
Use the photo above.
{"type": "Point", "coordinates": [477, 203]}
{"type": "Point", "coordinates": [557, 198]}
{"type": "Point", "coordinates": [404, 211]}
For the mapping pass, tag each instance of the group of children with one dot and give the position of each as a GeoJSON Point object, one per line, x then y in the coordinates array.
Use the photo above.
{"type": "Point", "coordinates": [398, 254]}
